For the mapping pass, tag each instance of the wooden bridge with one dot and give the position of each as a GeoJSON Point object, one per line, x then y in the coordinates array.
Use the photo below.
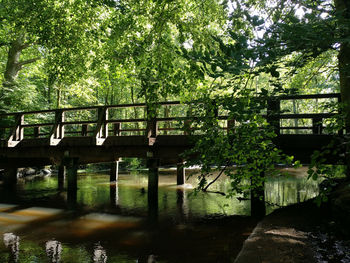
{"type": "Point", "coordinates": [73, 136]}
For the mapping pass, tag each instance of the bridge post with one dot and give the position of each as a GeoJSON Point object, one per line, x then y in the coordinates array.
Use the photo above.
{"type": "Point", "coordinates": [101, 130]}
{"type": "Point", "coordinates": [273, 111]}
{"type": "Point", "coordinates": [152, 128]}
{"type": "Point", "coordinates": [17, 132]}
{"type": "Point", "coordinates": [36, 132]}
{"type": "Point", "coordinates": [230, 125]}
{"type": "Point", "coordinates": [188, 122]}
{"type": "Point", "coordinates": [257, 195]}
{"type": "Point", "coordinates": [61, 176]}
{"type": "Point", "coordinates": [59, 119]}
{"type": "Point", "coordinates": [57, 132]}
{"type": "Point", "coordinates": [116, 129]}
{"type": "Point", "coordinates": [84, 130]}
{"type": "Point", "coordinates": [103, 117]}
{"type": "Point", "coordinates": [114, 172]}
{"type": "Point", "coordinates": [187, 127]}
{"type": "Point", "coordinates": [317, 125]}
{"type": "Point", "coordinates": [180, 173]}
{"type": "Point", "coordinates": [215, 108]}
{"type": "Point", "coordinates": [152, 190]}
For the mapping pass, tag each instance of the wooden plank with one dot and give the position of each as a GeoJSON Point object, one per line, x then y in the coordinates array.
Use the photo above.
{"type": "Point", "coordinates": [297, 128]}
{"type": "Point", "coordinates": [307, 115]}
{"type": "Point", "coordinates": [125, 120]}
{"type": "Point", "coordinates": [33, 125]}
{"type": "Point", "coordinates": [309, 96]}
{"type": "Point", "coordinates": [78, 122]}
{"type": "Point", "coordinates": [131, 130]}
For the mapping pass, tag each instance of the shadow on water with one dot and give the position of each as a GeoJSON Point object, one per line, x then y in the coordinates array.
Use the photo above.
{"type": "Point", "coordinates": [113, 222]}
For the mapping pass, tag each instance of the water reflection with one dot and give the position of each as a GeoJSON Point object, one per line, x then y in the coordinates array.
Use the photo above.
{"type": "Point", "coordinates": [283, 191]}
{"type": "Point", "coordinates": [130, 195]}
{"type": "Point", "coordinates": [114, 194]}
{"type": "Point", "coordinates": [11, 242]}
{"type": "Point", "coordinates": [100, 255]}
{"type": "Point", "coordinates": [181, 204]}
{"type": "Point", "coordinates": [115, 214]}
{"type": "Point", "coordinates": [72, 195]}
{"type": "Point", "coordinates": [54, 250]}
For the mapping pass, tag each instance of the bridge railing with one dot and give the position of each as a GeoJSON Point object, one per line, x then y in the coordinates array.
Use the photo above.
{"type": "Point", "coordinates": [308, 120]}
{"type": "Point", "coordinates": [99, 122]}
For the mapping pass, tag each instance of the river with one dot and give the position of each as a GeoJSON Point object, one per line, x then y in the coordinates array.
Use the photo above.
{"type": "Point", "coordinates": [109, 222]}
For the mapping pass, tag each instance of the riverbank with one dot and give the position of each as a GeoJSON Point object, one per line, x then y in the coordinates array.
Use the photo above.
{"type": "Point", "coordinates": [301, 233]}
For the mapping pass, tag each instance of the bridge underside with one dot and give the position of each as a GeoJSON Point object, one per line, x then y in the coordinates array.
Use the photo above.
{"type": "Point", "coordinates": [167, 148]}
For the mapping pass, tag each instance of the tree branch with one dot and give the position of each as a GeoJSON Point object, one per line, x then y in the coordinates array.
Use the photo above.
{"type": "Point", "coordinates": [217, 177]}
{"type": "Point", "coordinates": [315, 73]}
{"type": "Point", "coordinates": [22, 63]}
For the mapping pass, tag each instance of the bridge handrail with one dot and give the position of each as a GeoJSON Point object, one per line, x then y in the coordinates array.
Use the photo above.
{"type": "Point", "coordinates": [309, 96]}
{"type": "Point", "coordinates": [101, 131]}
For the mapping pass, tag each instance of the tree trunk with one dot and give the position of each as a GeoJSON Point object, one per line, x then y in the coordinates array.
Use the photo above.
{"type": "Point", "coordinates": [295, 120]}
{"type": "Point", "coordinates": [137, 126]}
{"type": "Point", "coordinates": [50, 89]}
{"type": "Point", "coordinates": [58, 102]}
{"type": "Point", "coordinates": [344, 75]}
{"type": "Point", "coordinates": [166, 115]}
{"type": "Point", "coordinates": [343, 10]}
{"type": "Point", "coordinates": [13, 66]}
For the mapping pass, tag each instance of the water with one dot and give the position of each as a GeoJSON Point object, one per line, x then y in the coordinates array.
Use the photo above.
{"type": "Point", "coordinates": [109, 222]}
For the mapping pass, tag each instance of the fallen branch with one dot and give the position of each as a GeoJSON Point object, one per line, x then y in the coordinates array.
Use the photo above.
{"type": "Point", "coordinates": [205, 189]}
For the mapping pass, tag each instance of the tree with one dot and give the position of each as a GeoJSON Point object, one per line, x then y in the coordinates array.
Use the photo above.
{"type": "Point", "coordinates": [279, 38]}
{"type": "Point", "coordinates": [146, 38]}
{"type": "Point", "coordinates": [66, 35]}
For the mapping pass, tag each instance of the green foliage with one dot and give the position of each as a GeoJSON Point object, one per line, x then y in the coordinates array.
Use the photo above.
{"type": "Point", "coordinates": [337, 151]}
{"type": "Point", "coordinates": [248, 146]}
{"type": "Point", "coordinates": [77, 53]}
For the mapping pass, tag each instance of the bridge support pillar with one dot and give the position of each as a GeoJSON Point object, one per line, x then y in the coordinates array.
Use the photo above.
{"type": "Point", "coordinates": [257, 205]}
{"type": "Point", "coordinates": [114, 172]}
{"type": "Point", "coordinates": [153, 165]}
{"type": "Point", "coordinates": [180, 173]}
{"type": "Point", "coordinates": [61, 176]}
{"type": "Point", "coordinates": [72, 185]}
{"type": "Point", "coordinates": [10, 176]}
